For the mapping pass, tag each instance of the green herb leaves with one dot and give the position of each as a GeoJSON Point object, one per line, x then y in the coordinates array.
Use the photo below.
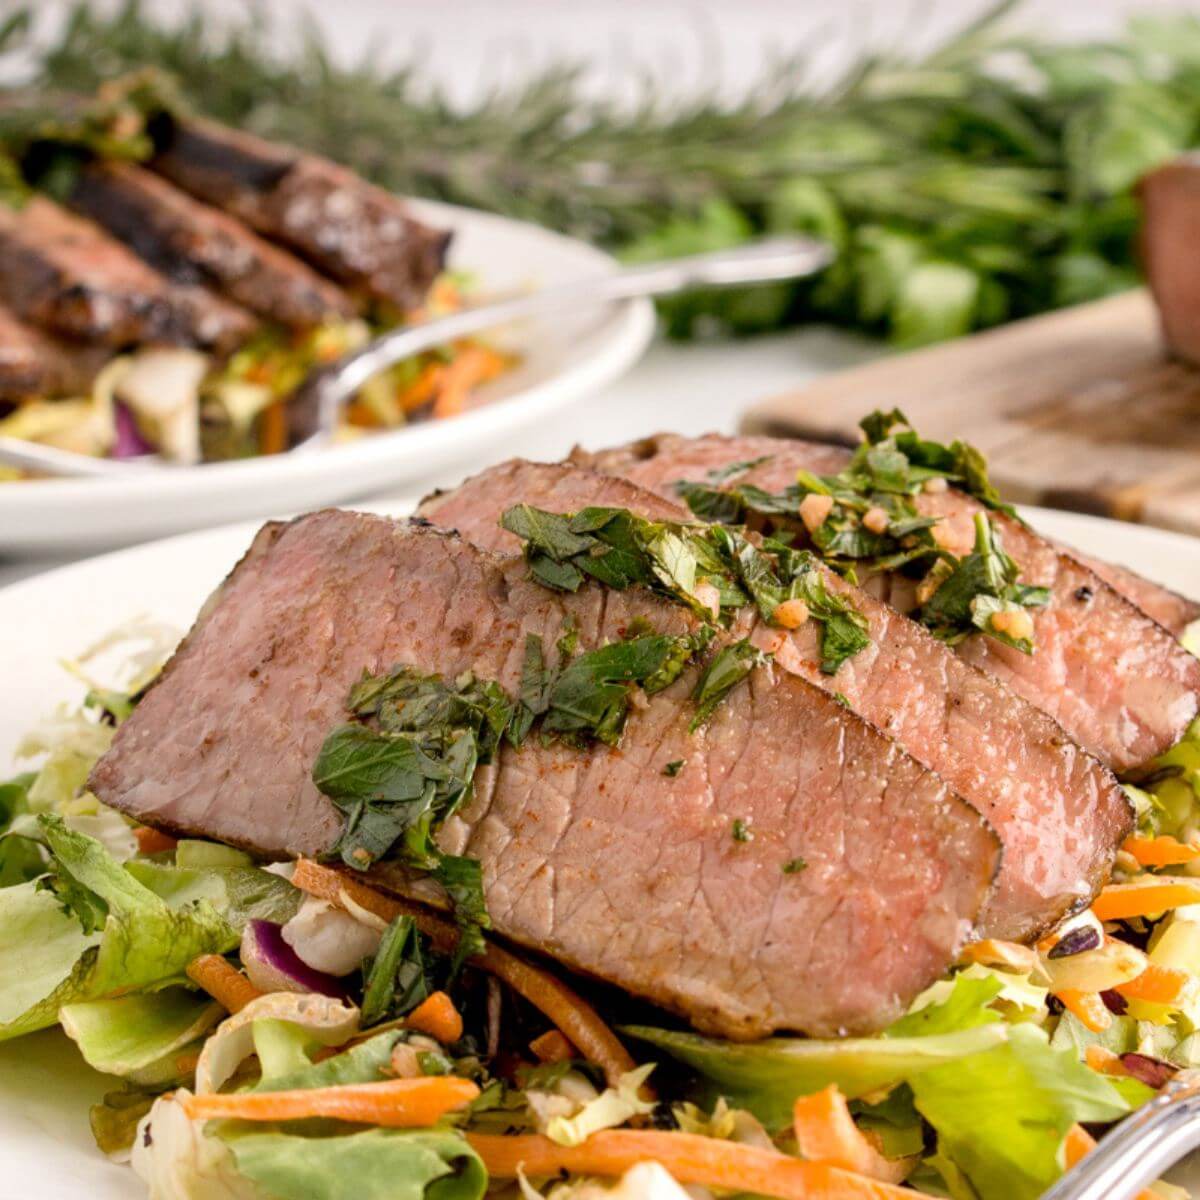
{"type": "Point", "coordinates": [728, 667]}
{"type": "Point", "coordinates": [396, 981]}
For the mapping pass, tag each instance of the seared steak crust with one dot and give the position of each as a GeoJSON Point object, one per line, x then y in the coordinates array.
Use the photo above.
{"type": "Point", "coordinates": [595, 857]}
{"type": "Point", "coordinates": [349, 229]}
{"type": "Point", "coordinates": [1116, 680]}
{"type": "Point", "coordinates": [1060, 815]}
{"type": "Point", "coordinates": [66, 274]}
{"type": "Point", "coordinates": [35, 363]}
{"type": "Point", "coordinates": [192, 243]}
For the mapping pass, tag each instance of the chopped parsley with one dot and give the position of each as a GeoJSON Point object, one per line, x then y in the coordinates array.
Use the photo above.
{"type": "Point", "coordinates": [710, 569]}
{"type": "Point", "coordinates": [794, 866]}
{"type": "Point", "coordinates": [741, 831]}
{"type": "Point", "coordinates": [673, 768]}
{"type": "Point", "coordinates": [725, 670]}
{"type": "Point", "coordinates": [888, 470]}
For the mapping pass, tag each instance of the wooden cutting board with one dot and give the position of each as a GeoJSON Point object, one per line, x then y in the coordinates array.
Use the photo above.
{"type": "Point", "coordinates": [1080, 409]}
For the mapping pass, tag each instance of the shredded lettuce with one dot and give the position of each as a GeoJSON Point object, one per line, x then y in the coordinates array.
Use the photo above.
{"type": "Point", "coordinates": [613, 1107]}
{"type": "Point", "coordinates": [142, 940]}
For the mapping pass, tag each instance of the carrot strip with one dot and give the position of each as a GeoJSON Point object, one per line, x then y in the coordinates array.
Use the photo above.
{"type": "Point", "coordinates": [1104, 1061]}
{"type": "Point", "coordinates": [826, 1132]}
{"type": "Point", "coordinates": [994, 953]}
{"type": "Point", "coordinates": [1121, 900]}
{"type": "Point", "coordinates": [1078, 1143]}
{"type": "Point", "coordinates": [552, 1047]}
{"type": "Point", "coordinates": [395, 1103]}
{"type": "Point", "coordinates": [422, 389]}
{"type": "Point", "coordinates": [689, 1157]}
{"type": "Point", "coordinates": [223, 982]}
{"type": "Point", "coordinates": [437, 1016]}
{"type": "Point", "coordinates": [273, 429]}
{"type": "Point", "coordinates": [1088, 1007]}
{"type": "Point", "coordinates": [579, 1023]}
{"type": "Point", "coordinates": [1160, 851]}
{"type": "Point", "coordinates": [472, 366]}
{"type": "Point", "coordinates": [153, 841]}
{"type": "Point", "coordinates": [1158, 985]}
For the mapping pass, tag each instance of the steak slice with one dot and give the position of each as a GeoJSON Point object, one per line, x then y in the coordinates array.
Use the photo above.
{"type": "Point", "coordinates": [65, 273]}
{"type": "Point", "coordinates": [35, 363]}
{"type": "Point", "coordinates": [596, 857]}
{"type": "Point", "coordinates": [1117, 682]}
{"type": "Point", "coordinates": [1171, 610]}
{"type": "Point", "coordinates": [1060, 815]}
{"type": "Point", "coordinates": [193, 243]}
{"type": "Point", "coordinates": [349, 229]}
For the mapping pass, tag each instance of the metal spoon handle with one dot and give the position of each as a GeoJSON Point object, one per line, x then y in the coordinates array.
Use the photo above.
{"type": "Point", "coordinates": [1140, 1149]}
{"type": "Point", "coordinates": [315, 405]}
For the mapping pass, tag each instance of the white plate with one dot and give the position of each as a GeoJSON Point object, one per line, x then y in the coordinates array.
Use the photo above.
{"type": "Point", "coordinates": [46, 1149]}
{"type": "Point", "coordinates": [562, 361]}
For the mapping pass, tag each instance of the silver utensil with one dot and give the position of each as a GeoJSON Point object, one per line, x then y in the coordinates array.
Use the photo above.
{"type": "Point", "coordinates": [1141, 1148]}
{"type": "Point", "coordinates": [313, 409]}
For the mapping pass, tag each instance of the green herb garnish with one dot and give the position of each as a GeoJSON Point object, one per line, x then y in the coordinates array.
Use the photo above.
{"type": "Point", "coordinates": [794, 866]}
{"type": "Point", "coordinates": [673, 768]}
{"type": "Point", "coordinates": [396, 981]}
{"type": "Point", "coordinates": [741, 831]}
{"type": "Point", "coordinates": [727, 668]}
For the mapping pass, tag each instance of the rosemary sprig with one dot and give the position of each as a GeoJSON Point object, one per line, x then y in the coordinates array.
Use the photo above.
{"type": "Point", "coordinates": [989, 180]}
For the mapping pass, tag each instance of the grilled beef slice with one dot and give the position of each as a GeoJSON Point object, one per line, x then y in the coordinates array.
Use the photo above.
{"type": "Point", "coordinates": [35, 363]}
{"type": "Point", "coordinates": [1117, 682]}
{"type": "Point", "coordinates": [1059, 813]}
{"type": "Point", "coordinates": [66, 274]}
{"type": "Point", "coordinates": [596, 857]}
{"type": "Point", "coordinates": [349, 229]}
{"type": "Point", "coordinates": [193, 243]}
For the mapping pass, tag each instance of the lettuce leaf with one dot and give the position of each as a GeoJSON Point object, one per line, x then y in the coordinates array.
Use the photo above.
{"type": "Point", "coordinates": [238, 893]}
{"type": "Point", "coordinates": [1001, 1115]}
{"type": "Point", "coordinates": [46, 958]}
{"type": "Point", "coordinates": [138, 1037]}
{"type": "Point", "coordinates": [766, 1077]}
{"type": "Point", "coordinates": [21, 858]}
{"type": "Point", "coordinates": [378, 1164]}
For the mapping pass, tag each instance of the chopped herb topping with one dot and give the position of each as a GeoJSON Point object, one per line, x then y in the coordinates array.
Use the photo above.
{"type": "Point", "coordinates": [673, 768]}
{"type": "Point", "coordinates": [794, 866]}
{"type": "Point", "coordinates": [710, 569]}
{"type": "Point", "coordinates": [725, 670]}
{"type": "Point", "coordinates": [741, 831]}
{"type": "Point", "coordinates": [396, 980]}
{"type": "Point", "coordinates": [870, 520]}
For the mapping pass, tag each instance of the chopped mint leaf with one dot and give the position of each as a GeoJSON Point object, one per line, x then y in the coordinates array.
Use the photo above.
{"type": "Point", "coordinates": [727, 668]}
{"type": "Point", "coordinates": [673, 768]}
{"type": "Point", "coordinates": [741, 831]}
{"type": "Point", "coordinates": [794, 866]}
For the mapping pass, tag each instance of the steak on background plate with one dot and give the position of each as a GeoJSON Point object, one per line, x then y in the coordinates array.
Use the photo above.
{"type": "Point", "coordinates": [66, 274]}
{"type": "Point", "coordinates": [193, 243]}
{"type": "Point", "coordinates": [1060, 815]}
{"type": "Point", "coordinates": [349, 229]}
{"type": "Point", "coordinates": [36, 363]}
{"type": "Point", "coordinates": [1118, 682]}
{"type": "Point", "coordinates": [595, 857]}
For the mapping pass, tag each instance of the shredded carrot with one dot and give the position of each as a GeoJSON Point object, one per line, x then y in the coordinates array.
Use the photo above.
{"type": "Point", "coordinates": [153, 841]}
{"type": "Point", "coordinates": [992, 952]}
{"type": "Point", "coordinates": [552, 1047]}
{"type": "Point", "coordinates": [437, 1016]}
{"type": "Point", "coordinates": [1158, 985]}
{"type": "Point", "coordinates": [224, 983]}
{"type": "Point", "coordinates": [688, 1157]}
{"type": "Point", "coordinates": [1162, 892]}
{"type": "Point", "coordinates": [273, 429]}
{"type": "Point", "coordinates": [1079, 1143]}
{"type": "Point", "coordinates": [472, 366]}
{"type": "Point", "coordinates": [1104, 1061]}
{"type": "Point", "coordinates": [1088, 1007]}
{"type": "Point", "coordinates": [826, 1132]}
{"type": "Point", "coordinates": [1160, 851]}
{"type": "Point", "coordinates": [421, 390]}
{"type": "Point", "coordinates": [396, 1103]}
{"type": "Point", "coordinates": [579, 1023]}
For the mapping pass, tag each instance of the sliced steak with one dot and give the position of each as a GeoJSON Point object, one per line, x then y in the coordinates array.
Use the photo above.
{"type": "Point", "coordinates": [193, 243]}
{"type": "Point", "coordinates": [1116, 680]}
{"type": "Point", "coordinates": [35, 363]}
{"type": "Point", "coordinates": [349, 229]}
{"type": "Point", "coordinates": [1060, 815]}
{"type": "Point", "coordinates": [1171, 610]}
{"type": "Point", "coordinates": [596, 857]}
{"type": "Point", "coordinates": [65, 273]}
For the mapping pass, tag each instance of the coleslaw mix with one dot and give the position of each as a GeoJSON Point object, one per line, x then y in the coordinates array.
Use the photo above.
{"type": "Point", "coordinates": [287, 1033]}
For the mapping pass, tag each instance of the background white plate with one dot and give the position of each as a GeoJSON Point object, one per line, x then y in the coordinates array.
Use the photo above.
{"type": "Point", "coordinates": [46, 1149]}
{"type": "Point", "coordinates": [562, 361]}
